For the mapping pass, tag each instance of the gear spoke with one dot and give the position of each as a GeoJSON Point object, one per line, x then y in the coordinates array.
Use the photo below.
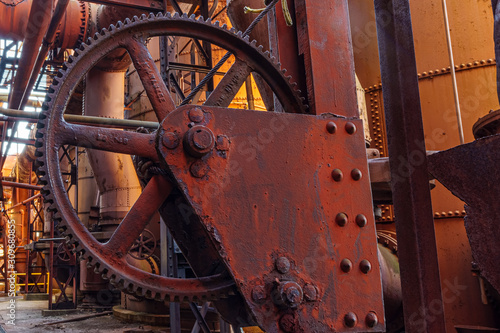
{"type": "Point", "coordinates": [230, 84]}
{"type": "Point", "coordinates": [157, 92]}
{"type": "Point", "coordinates": [150, 200]}
{"type": "Point", "coordinates": [113, 140]}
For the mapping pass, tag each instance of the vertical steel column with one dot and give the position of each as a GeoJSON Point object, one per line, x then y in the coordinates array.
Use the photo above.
{"type": "Point", "coordinates": [420, 279]}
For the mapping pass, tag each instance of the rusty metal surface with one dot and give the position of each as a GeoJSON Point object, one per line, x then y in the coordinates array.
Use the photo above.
{"type": "Point", "coordinates": [487, 125]}
{"type": "Point", "coordinates": [290, 252]}
{"type": "Point", "coordinates": [475, 167]}
{"type": "Point", "coordinates": [324, 40]}
{"type": "Point", "coordinates": [54, 131]}
{"type": "Point", "coordinates": [411, 194]}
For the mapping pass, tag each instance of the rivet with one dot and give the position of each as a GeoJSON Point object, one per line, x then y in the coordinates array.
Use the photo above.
{"type": "Point", "coordinates": [170, 140]}
{"type": "Point", "coordinates": [341, 219]}
{"type": "Point", "coordinates": [350, 128]}
{"type": "Point", "coordinates": [371, 319]}
{"type": "Point", "coordinates": [331, 127]}
{"type": "Point", "coordinates": [196, 115]}
{"type": "Point", "coordinates": [288, 323]}
{"type": "Point", "coordinates": [361, 220]}
{"type": "Point", "coordinates": [283, 265]}
{"type": "Point", "coordinates": [310, 293]}
{"type": "Point", "coordinates": [259, 294]}
{"type": "Point", "coordinates": [350, 319]}
{"type": "Point", "coordinates": [365, 266]}
{"type": "Point", "coordinates": [346, 265]}
{"type": "Point", "coordinates": [199, 169]}
{"type": "Point", "coordinates": [337, 175]}
{"type": "Point", "coordinates": [356, 174]}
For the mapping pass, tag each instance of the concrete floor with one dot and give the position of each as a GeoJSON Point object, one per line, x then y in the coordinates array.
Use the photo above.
{"type": "Point", "coordinates": [29, 319]}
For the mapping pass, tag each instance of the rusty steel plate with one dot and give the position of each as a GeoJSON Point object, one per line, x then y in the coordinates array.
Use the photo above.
{"type": "Point", "coordinates": [286, 200]}
{"type": "Point", "coordinates": [471, 172]}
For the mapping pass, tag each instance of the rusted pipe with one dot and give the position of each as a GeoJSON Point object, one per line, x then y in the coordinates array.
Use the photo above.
{"type": "Point", "coordinates": [38, 21]}
{"type": "Point", "coordinates": [21, 185]}
{"type": "Point", "coordinates": [86, 120]}
{"type": "Point", "coordinates": [48, 40]}
{"type": "Point", "coordinates": [14, 20]}
{"type": "Point", "coordinates": [24, 202]}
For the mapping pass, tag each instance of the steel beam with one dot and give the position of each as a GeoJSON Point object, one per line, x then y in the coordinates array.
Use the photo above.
{"type": "Point", "coordinates": [420, 279]}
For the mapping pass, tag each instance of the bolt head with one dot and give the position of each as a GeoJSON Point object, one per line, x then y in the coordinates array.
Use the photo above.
{"type": "Point", "coordinates": [350, 320]}
{"type": "Point", "coordinates": [170, 140]}
{"type": "Point", "coordinates": [310, 293]}
{"type": "Point", "coordinates": [283, 265]}
{"type": "Point", "coordinates": [365, 266]}
{"type": "Point", "coordinates": [337, 175]}
{"type": "Point", "coordinates": [331, 127]}
{"type": "Point", "coordinates": [346, 265]}
{"type": "Point", "coordinates": [356, 174]}
{"type": "Point", "coordinates": [259, 294]}
{"type": "Point", "coordinates": [290, 294]}
{"type": "Point", "coordinates": [361, 220]}
{"type": "Point", "coordinates": [350, 128]}
{"type": "Point", "coordinates": [371, 319]}
{"type": "Point", "coordinates": [196, 115]}
{"type": "Point", "coordinates": [287, 323]}
{"type": "Point", "coordinates": [199, 141]}
{"type": "Point", "coordinates": [199, 169]}
{"type": "Point", "coordinates": [341, 219]}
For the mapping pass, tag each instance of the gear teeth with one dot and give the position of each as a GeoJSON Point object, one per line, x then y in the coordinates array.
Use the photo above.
{"type": "Point", "coordinates": [159, 15]}
{"type": "Point", "coordinates": [44, 125]}
{"type": "Point", "coordinates": [119, 24]}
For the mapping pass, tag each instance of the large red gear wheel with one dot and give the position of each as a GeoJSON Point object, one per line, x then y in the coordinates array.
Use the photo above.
{"type": "Point", "coordinates": [53, 132]}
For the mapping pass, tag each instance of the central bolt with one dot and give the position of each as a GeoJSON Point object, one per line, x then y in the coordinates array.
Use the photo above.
{"type": "Point", "coordinates": [289, 294]}
{"type": "Point", "coordinates": [199, 141]}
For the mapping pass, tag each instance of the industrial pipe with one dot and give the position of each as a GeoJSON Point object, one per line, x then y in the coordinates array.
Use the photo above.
{"type": "Point", "coordinates": [85, 120]}
{"type": "Point", "coordinates": [38, 21]}
{"type": "Point", "coordinates": [21, 185]}
{"type": "Point", "coordinates": [48, 40]}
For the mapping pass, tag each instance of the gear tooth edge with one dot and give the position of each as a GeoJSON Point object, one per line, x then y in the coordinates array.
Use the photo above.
{"type": "Point", "coordinates": [224, 26]}
{"type": "Point", "coordinates": [260, 48]}
{"type": "Point", "coordinates": [151, 16]}
{"type": "Point", "coordinates": [104, 31]}
{"type": "Point", "coordinates": [135, 18]}
{"type": "Point", "coordinates": [127, 21]}
{"type": "Point", "coordinates": [246, 39]}
{"type": "Point", "coordinates": [112, 28]}
{"type": "Point", "coordinates": [192, 17]}
{"type": "Point", "coordinates": [238, 33]}
{"type": "Point", "coordinates": [143, 17]}
{"type": "Point", "coordinates": [217, 23]}
{"type": "Point", "coordinates": [169, 15]}
{"type": "Point", "coordinates": [159, 15]}
{"type": "Point", "coordinates": [209, 20]}
{"type": "Point", "coordinates": [184, 16]}
{"type": "Point", "coordinates": [119, 24]}
{"type": "Point", "coordinates": [96, 36]}
{"type": "Point", "coordinates": [88, 42]}
{"type": "Point", "coordinates": [176, 15]}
